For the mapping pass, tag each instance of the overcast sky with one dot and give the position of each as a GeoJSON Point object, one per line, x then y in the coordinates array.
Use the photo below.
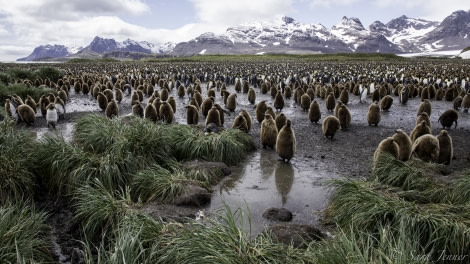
{"type": "Point", "coordinates": [26, 24]}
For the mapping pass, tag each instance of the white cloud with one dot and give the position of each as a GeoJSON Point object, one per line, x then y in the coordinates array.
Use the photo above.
{"type": "Point", "coordinates": [435, 10]}
{"type": "Point", "coordinates": [230, 12]}
{"type": "Point", "coordinates": [329, 3]}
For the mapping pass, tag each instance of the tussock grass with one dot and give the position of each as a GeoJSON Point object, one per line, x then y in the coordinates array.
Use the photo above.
{"type": "Point", "coordinates": [412, 176]}
{"type": "Point", "coordinates": [22, 91]}
{"type": "Point", "coordinates": [23, 235]}
{"type": "Point", "coordinates": [219, 239]}
{"type": "Point", "coordinates": [17, 148]}
{"type": "Point", "coordinates": [160, 184]}
{"type": "Point", "coordinates": [99, 210]}
{"type": "Point", "coordinates": [462, 189]}
{"type": "Point", "coordinates": [353, 246]}
{"type": "Point", "coordinates": [229, 146]}
{"type": "Point", "coordinates": [368, 205]}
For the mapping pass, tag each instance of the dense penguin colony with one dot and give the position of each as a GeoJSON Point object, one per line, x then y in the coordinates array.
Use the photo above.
{"type": "Point", "coordinates": [211, 93]}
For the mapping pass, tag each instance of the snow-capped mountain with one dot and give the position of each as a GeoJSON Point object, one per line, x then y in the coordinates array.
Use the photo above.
{"type": "Point", "coordinates": [98, 47]}
{"type": "Point", "coordinates": [286, 35]}
{"type": "Point", "coordinates": [50, 51]}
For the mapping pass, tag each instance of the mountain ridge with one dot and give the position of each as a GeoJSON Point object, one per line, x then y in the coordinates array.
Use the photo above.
{"type": "Point", "coordinates": [286, 35]}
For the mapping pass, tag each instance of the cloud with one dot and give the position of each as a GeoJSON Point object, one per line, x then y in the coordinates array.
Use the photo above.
{"type": "Point", "coordinates": [435, 10]}
{"type": "Point", "coordinates": [230, 13]}
{"type": "Point", "coordinates": [329, 3]}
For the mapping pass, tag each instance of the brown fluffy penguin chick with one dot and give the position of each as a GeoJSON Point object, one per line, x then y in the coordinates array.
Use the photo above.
{"type": "Point", "coordinates": [150, 112]}
{"type": "Point", "coordinates": [373, 115]}
{"type": "Point", "coordinates": [280, 120]}
{"type": "Point", "coordinates": [404, 144]}
{"type": "Point", "coordinates": [330, 102]}
{"type": "Point", "coordinates": [423, 116]}
{"type": "Point", "coordinates": [344, 96]}
{"type": "Point", "coordinates": [240, 123]}
{"type": "Point", "coordinates": [137, 109]}
{"type": "Point", "coordinates": [337, 106]}
{"type": "Point", "coordinates": [102, 101]}
{"type": "Point", "coordinates": [118, 95]}
{"type": "Point", "coordinates": [247, 117]}
{"type": "Point", "coordinates": [180, 91]}
{"type": "Point", "coordinates": [269, 110]}
{"type": "Point", "coordinates": [386, 103]}
{"type": "Point", "coordinates": [314, 113]}
{"type": "Point", "coordinates": [287, 92]}
{"type": "Point", "coordinates": [424, 106]}
{"type": "Point", "coordinates": [446, 150]}
{"type": "Point", "coordinates": [251, 95]}
{"type": "Point", "coordinates": [193, 102]}
{"type": "Point", "coordinates": [305, 102]}
{"type": "Point", "coordinates": [387, 145]}
{"type": "Point", "coordinates": [232, 102]}
{"type": "Point", "coordinates": [109, 94]}
{"type": "Point", "coordinates": [207, 105]}
{"type": "Point", "coordinates": [26, 114]}
{"type": "Point", "coordinates": [166, 112]}
{"type": "Point", "coordinates": [330, 126]}
{"type": "Point", "coordinates": [448, 118]}
{"type": "Point", "coordinates": [260, 110]}
{"type": "Point", "coordinates": [172, 102]}
{"type": "Point", "coordinates": [43, 103]}
{"type": "Point", "coordinates": [268, 133]}
{"type": "Point", "coordinates": [419, 130]}
{"type": "Point", "coordinates": [426, 148]}
{"type": "Point", "coordinates": [192, 115]}
{"type": "Point", "coordinates": [278, 101]}
{"type": "Point", "coordinates": [213, 116]}
{"type": "Point", "coordinates": [344, 117]}
{"type": "Point", "coordinates": [457, 103]}
{"type": "Point", "coordinates": [466, 103]}
{"type": "Point", "coordinates": [30, 101]}
{"type": "Point", "coordinates": [163, 94]}
{"type": "Point", "coordinates": [112, 109]}
{"type": "Point", "coordinates": [222, 113]}
{"type": "Point", "coordinates": [285, 142]}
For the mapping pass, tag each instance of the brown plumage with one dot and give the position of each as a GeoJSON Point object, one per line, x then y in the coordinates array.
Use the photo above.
{"type": "Point", "coordinates": [151, 113]}
{"type": "Point", "coordinates": [330, 102]}
{"type": "Point", "coordinates": [109, 94]}
{"type": "Point", "coordinates": [192, 115]}
{"type": "Point", "coordinates": [232, 102]}
{"type": "Point", "coordinates": [448, 118]}
{"type": "Point", "coordinates": [344, 96]}
{"type": "Point", "coordinates": [137, 109]}
{"type": "Point", "coordinates": [26, 113]}
{"type": "Point", "coordinates": [166, 112]}
{"type": "Point", "coordinates": [268, 133]}
{"type": "Point", "coordinates": [305, 102]}
{"type": "Point", "coordinates": [280, 120]}
{"type": "Point", "coordinates": [330, 126]}
{"type": "Point", "coordinates": [260, 110]}
{"type": "Point", "coordinates": [102, 101]}
{"type": "Point", "coordinates": [424, 116]}
{"type": "Point", "coordinates": [404, 144]}
{"type": "Point", "coordinates": [286, 142]}
{"type": "Point", "coordinates": [419, 130]}
{"type": "Point", "coordinates": [247, 117]}
{"type": "Point", "coordinates": [446, 150]}
{"type": "Point", "coordinates": [43, 103]}
{"type": "Point", "coordinates": [240, 123]}
{"type": "Point", "coordinates": [213, 116]}
{"type": "Point", "coordinates": [118, 95]}
{"type": "Point", "coordinates": [278, 101]}
{"type": "Point", "coordinates": [163, 94]}
{"type": "Point", "coordinates": [344, 117]}
{"type": "Point", "coordinates": [251, 96]}
{"type": "Point", "coordinates": [172, 102]}
{"type": "Point", "coordinates": [222, 113]}
{"type": "Point", "coordinates": [112, 109]}
{"type": "Point", "coordinates": [386, 103]}
{"type": "Point", "coordinates": [207, 105]}
{"type": "Point", "coordinates": [269, 110]}
{"type": "Point", "coordinates": [314, 113]}
{"type": "Point", "coordinates": [373, 115]}
{"type": "Point", "coordinates": [426, 148]}
{"type": "Point", "coordinates": [424, 106]}
{"type": "Point", "coordinates": [466, 103]}
{"type": "Point", "coordinates": [387, 145]}
{"type": "Point", "coordinates": [30, 101]}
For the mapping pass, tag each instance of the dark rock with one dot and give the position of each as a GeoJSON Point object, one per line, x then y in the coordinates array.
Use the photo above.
{"type": "Point", "coordinates": [193, 196]}
{"type": "Point", "coordinates": [278, 214]}
{"type": "Point", "coordinates": [295, 234]}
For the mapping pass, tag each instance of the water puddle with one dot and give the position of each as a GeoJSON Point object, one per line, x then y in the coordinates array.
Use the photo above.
{"type": "Point", "coordinates": [263, 182]}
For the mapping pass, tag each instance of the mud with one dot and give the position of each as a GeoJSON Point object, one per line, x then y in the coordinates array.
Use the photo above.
{"type": "Point", "coordinates": [263, 181]}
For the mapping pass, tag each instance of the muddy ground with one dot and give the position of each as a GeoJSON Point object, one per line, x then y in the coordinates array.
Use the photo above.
{"type": "Point", "coordinates": [349, 154]}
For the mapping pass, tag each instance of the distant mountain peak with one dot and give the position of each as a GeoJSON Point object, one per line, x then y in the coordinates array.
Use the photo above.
{"type": "Point", "coordinates": [288, 19]}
